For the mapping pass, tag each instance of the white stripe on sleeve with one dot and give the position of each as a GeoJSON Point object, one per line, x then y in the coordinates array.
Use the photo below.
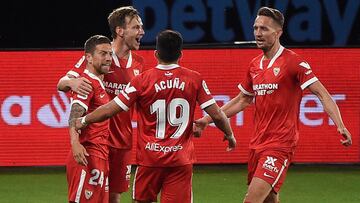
{"type": "Point", "coordinates": [121, 104]}
{"type": "Point", "coordinates": [309, 82]}
{"type": "Point", "coordinates": [243, 90]}
{"type": "Point", "coordinates": [208, 103]}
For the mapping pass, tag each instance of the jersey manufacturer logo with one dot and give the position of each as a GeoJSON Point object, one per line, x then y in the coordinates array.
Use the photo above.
{"type": "Point", "coordinates": [88, 194]}
{"type": "Point", "coordinates": [276, 71]}
{"type": "Point", "coordinates": [254, 76]}
{"type": "Point", "coordinates": [102, 95]}
{"type": "Point", "coordinates": [267, 175]}
{"type": "Point", "coordinates": [136, 72]}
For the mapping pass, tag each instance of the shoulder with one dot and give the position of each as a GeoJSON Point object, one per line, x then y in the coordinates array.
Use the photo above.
{"type": "Point", "coordinates": [291, 56]}
{"type": "Point", "coordinates": [256, 60]}
{"type": "Point", "coordinates": [137, 57]}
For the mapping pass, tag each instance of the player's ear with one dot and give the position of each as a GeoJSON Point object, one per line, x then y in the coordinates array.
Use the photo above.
{"type": "Point", "coordinates": [156, 54]}
{"type": "Point", "coordinates": [119, 31]}
{"type": "Point", "coordinates": [279, 33]}
{"type": "Point", "coordinates": [89, 58]}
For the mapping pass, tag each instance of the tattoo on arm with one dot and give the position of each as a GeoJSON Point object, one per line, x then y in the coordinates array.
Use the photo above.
{"type": "Point", "coordinates": [76, 112]}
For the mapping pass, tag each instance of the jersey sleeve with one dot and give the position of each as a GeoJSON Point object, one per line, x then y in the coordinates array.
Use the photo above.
{"type": "Point", "coordinates": [246, 85]}
{"type": "Point", "coordinates": [128, 96]}
{"type": "Point", "coordinates": [204, 97]}
{"type": "Point", "coordinates": [304, 74]}
{"type": "Point", "coordinates": [78, 68]}
{"type": "Point", "coordinates": [83, 101]}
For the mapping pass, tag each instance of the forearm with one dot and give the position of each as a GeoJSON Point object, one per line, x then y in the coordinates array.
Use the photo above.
{"type": "Point", "coordinates": [76, 112]}
{"type": "Point", "coordinates": [234, 106]}
{"type": "Point", "coordinates": [222, 122]}
{"type": "Point", "coordinates": [102, 113]}
{"type": "Point", "coordinates": [332, 110]}
{"type": "Point", "coordinates": [64, 84]}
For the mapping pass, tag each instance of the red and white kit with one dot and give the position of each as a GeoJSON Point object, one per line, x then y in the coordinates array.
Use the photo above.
{"type": "Point", "coordinates": [277, 85]}
{"type": "Point", "coordinates": [166, 97]}
{"type": "Point", "coordinates": [90, 183]}
{"type": "Point", "coordinates": [120, 140]}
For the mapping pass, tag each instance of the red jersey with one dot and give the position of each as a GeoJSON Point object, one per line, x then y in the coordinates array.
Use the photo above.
{"type": "Point", "coordinates": [277, 85]}
{"type": "Point", "coordinates": [166, 98]}
{"type": "Point", "coordinates": [120, 74]}
{"type": "Point", "coordinates": [95, 136]}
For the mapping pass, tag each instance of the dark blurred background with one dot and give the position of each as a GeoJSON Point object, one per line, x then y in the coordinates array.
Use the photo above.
{"type": "Point", "coordinates": [67, 24]}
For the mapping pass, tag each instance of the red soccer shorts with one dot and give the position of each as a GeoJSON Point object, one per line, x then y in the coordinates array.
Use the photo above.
{"type": "Point", "coordinates": [270, 166]}
{"type": "Point", "coordinates": [87, 183]}
{"type": "Point", "coordinates": [120, 170]}
{"type": "Point", "coordinates": [175, 184]}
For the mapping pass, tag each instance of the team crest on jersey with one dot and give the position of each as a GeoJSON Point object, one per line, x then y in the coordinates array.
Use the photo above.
{"type": "Point", "coordinates": [88, 194]}
{"type": "Point", "coordinates": [136, 72]}
{"type": "Point", "coordinates": [276, 71]}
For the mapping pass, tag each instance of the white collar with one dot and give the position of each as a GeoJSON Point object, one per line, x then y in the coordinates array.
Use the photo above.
{"type": "Point", "coordinates": [167, 67]}
{"type": "Point", "coordinates": [93, 76]}
{"type": "Point", "coordinates": [278, 53]}
{"type": "Point", "coordinates": [116, 59]}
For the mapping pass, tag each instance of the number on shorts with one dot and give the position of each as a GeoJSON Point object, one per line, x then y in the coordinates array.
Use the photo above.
{"type": "Point", "coordinates": [97, 178]}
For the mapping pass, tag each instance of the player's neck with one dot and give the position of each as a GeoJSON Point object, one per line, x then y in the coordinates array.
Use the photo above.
{"type": "Point", "coordinates": [269, 54]}
{"type": "Point", "coordinates": [121, 50]}
{"type": "Point", "coordinates": [92, 70]}
{"type": "Point", "coordinates": [167, 63]}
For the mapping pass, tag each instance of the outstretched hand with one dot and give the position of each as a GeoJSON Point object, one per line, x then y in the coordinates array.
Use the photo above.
{"type": "Point", "coordinates": [346, 134]}
{"type": "Point", "coordinates": [199, 126]}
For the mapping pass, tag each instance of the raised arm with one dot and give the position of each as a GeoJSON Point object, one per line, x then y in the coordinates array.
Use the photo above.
{"type": "Point", "coordinates": [332, 110]}
{"type": "Point", "coordinates": [222, 122]}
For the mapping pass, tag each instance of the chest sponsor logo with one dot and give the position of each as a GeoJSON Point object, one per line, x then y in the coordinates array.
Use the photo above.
{"type": "Point", "coordinates": [276, 71]}
{"type": "Point", "coordinates": [263, 89]}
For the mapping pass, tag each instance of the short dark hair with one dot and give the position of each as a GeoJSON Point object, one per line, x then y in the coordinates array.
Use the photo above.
{"type": "Point", "coordinates": [275, 14]}
{"type": "Point", "coordinates": [169, 45]}
{"type": "Point", "coordinates": [91, 43]}
{"type": "Point", "coordinates": [118, 16]}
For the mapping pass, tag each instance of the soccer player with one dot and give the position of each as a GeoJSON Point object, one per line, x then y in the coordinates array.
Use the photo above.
{"type": "Point", "coordinates": [87, 162]}
{"type": "Point", "coordinates": [274, 81]}
{"type": "Point", "coordinates": [126, 29]}
{"type": "Point", "coordinates": [166, 97]}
